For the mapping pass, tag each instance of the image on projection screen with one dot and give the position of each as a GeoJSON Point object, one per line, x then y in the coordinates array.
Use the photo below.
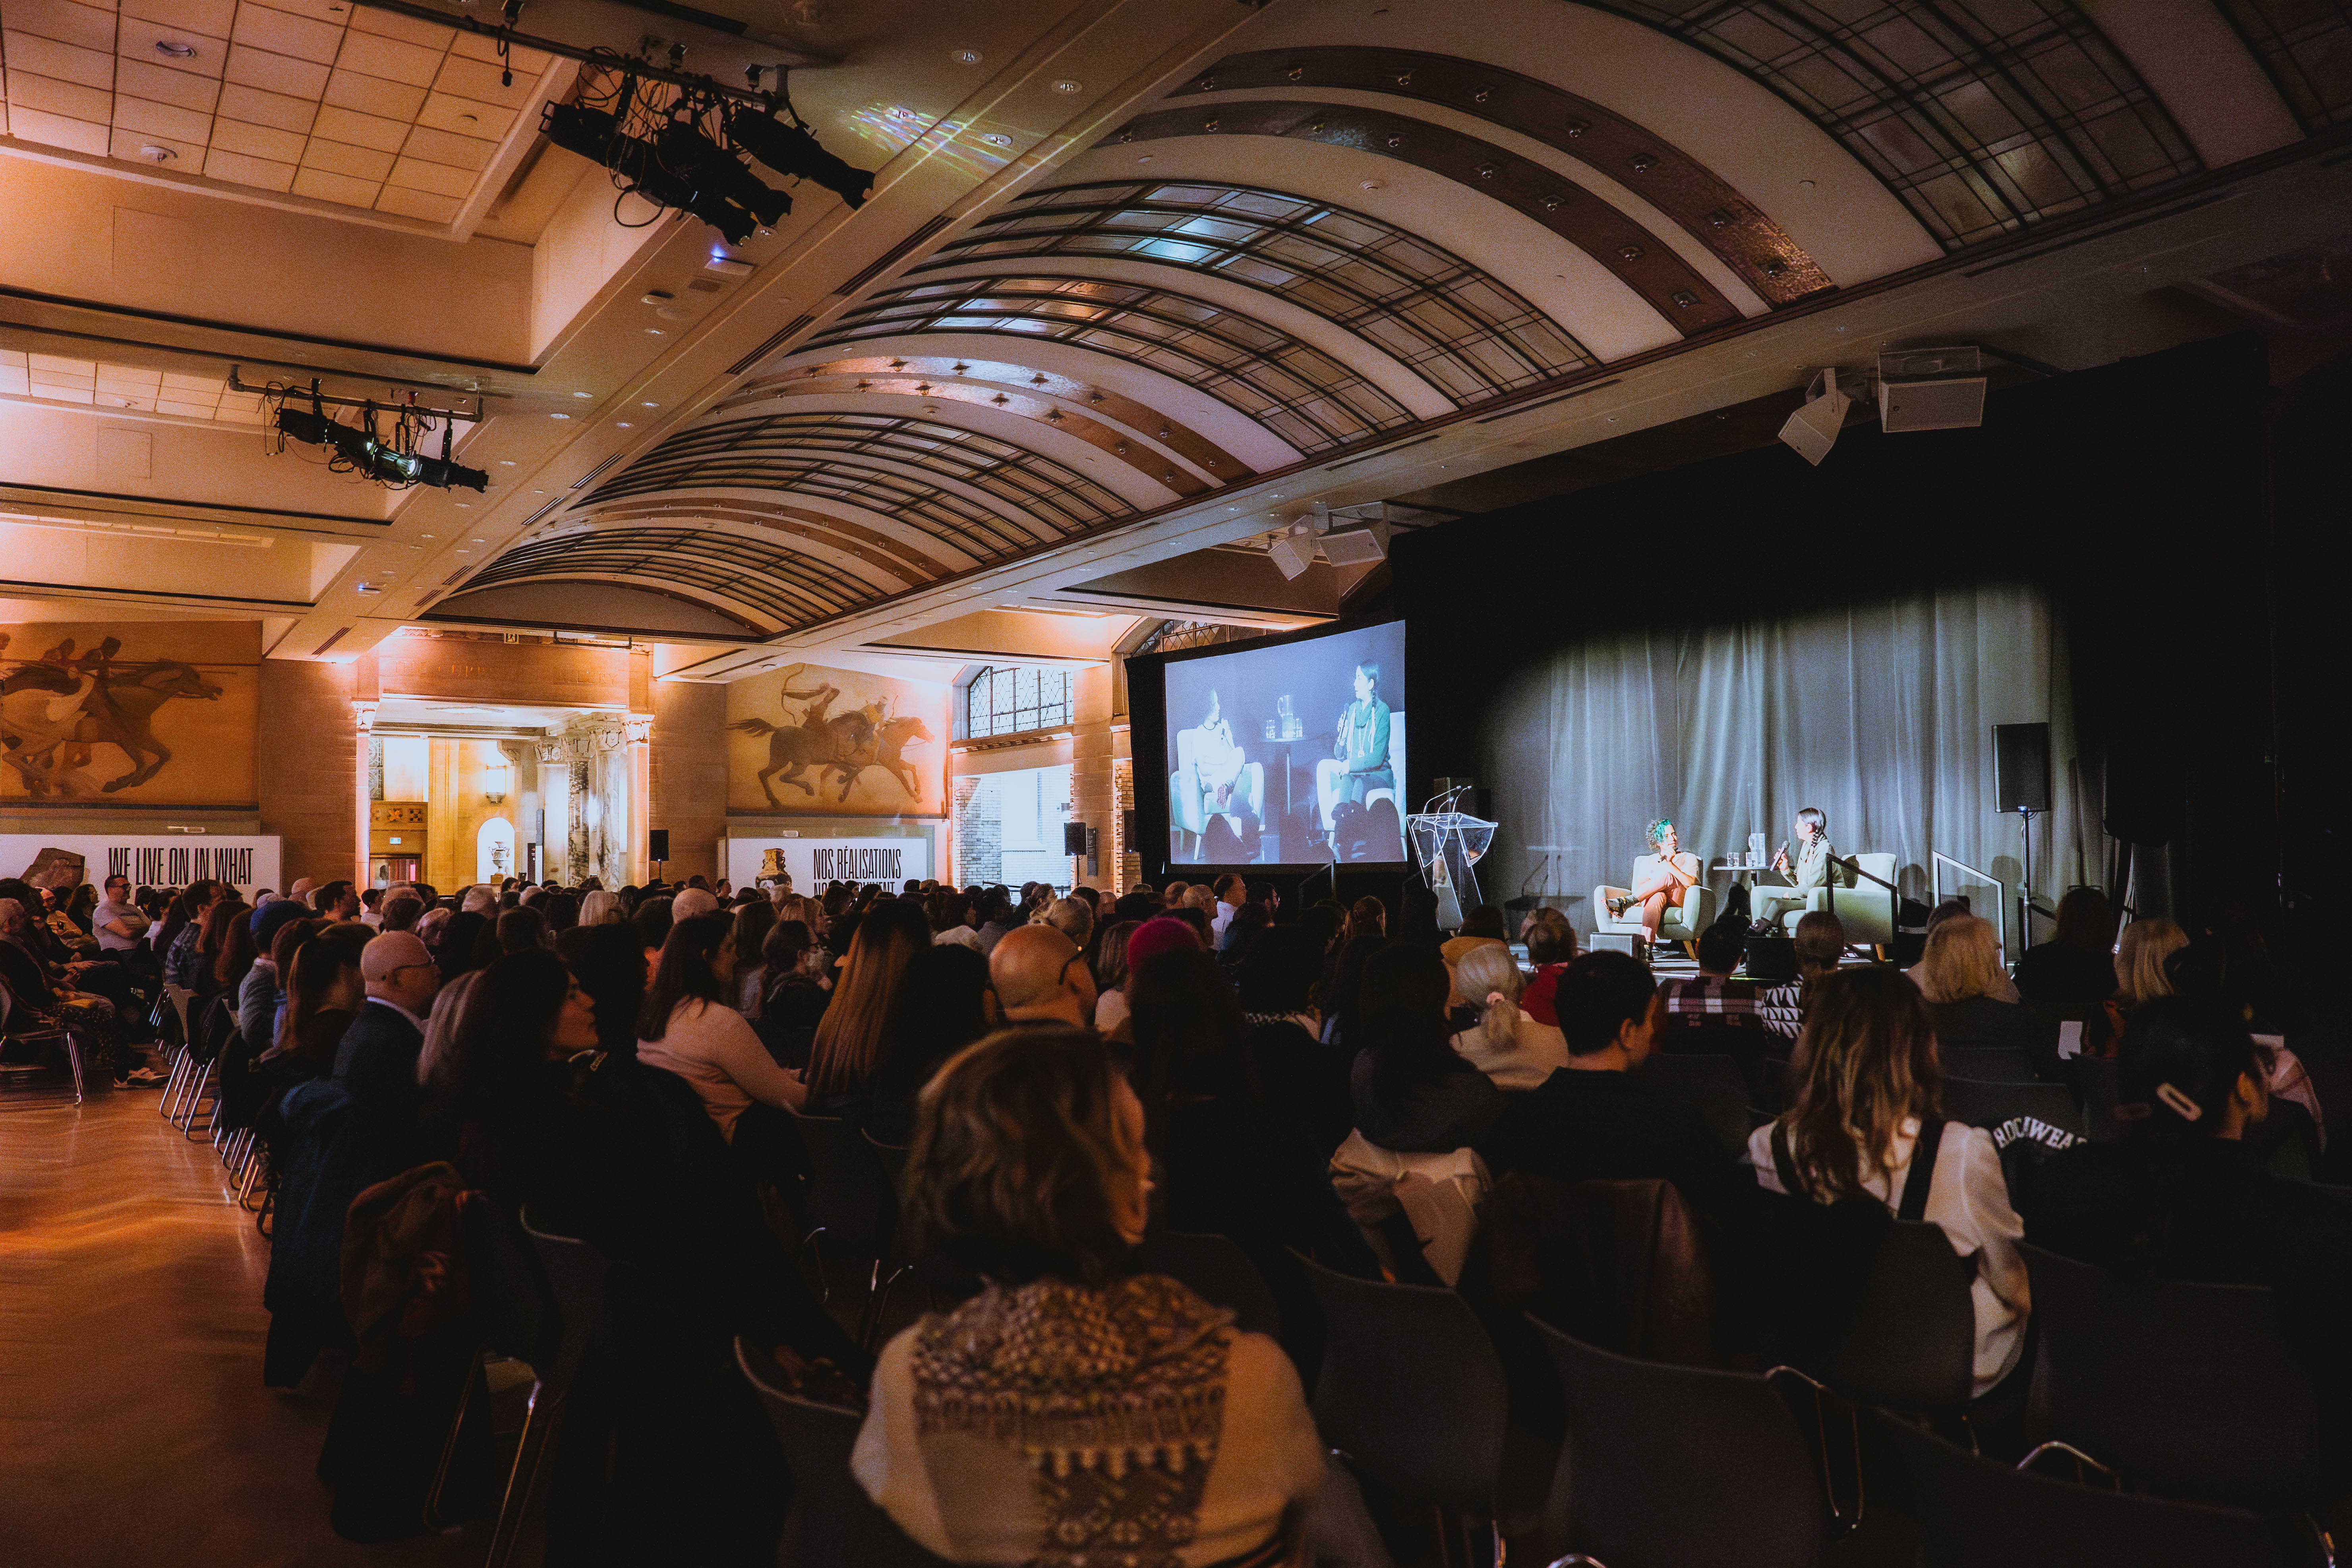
{"type": "Point", "coordinates": [1289, 754]}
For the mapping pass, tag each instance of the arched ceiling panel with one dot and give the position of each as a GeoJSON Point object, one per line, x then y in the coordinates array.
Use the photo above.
{"type": "Point", "coordinates": [1113, 424]}
{"type": "Point", "coordinates": [1707, 206]}
{"type": "Point", "coordinates": [1982, 115]}
{"type": "Point", "coordinates": [2306, 48]}
{"type": "Point", "coordinates": [1457, 327]}
{"type": "Point", "coordinates": [1301, 393]}
{"type": "Point", "coordinates": [1681, 294]}
{"type": "Point", "coordinates": [748, 580]}
{"type": "Point", "coordinates": [855, 453]}
{"type": "Point", "coordinates": [866, 553]}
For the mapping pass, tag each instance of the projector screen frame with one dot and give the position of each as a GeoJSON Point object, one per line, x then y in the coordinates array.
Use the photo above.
{"type": "Point", "coordinates": [1147, 712]}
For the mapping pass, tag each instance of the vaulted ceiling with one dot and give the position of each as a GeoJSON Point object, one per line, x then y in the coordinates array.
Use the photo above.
{"type": "Point", "coordinates": [1136, 281]}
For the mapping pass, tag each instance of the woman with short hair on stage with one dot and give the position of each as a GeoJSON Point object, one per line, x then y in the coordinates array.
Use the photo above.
{"type": "Point", "coordinates": [1662, 879]}
{"type": "Point", "coordinates": [1815, 858]}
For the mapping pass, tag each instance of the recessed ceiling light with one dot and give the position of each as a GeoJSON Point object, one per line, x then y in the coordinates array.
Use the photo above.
{"type": "Point", "coordinates": [583, 394]}
{"type": "Point", "coordinates": [423, 536]}
{"type": "Point", "coordinates": [653, 405]}
{"type": "Point", "coordinates": [1068, 84]}
{"type": "Point", "coordinates": [158, 154]}
{"type": "Point", "coordinates": [175, 51]}
{"type": "Point", "coordinates": [966, 56]}
{"type": "Point", "coordinates": [558, 417]}
{"type": "Point", "coordinates": [997, 138]}
{"type": "Point", "coordinates": [627, 425]}
{"type": "Point", "coordinates": [464, 505]}
{"type": "Point", "coordinates": [506, 462]}
{"type": "Point", "coordinates": [656, 332]}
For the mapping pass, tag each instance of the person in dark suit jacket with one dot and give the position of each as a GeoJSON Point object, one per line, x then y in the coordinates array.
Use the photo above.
{"type": "Point", "coordinates": [376, 1061]}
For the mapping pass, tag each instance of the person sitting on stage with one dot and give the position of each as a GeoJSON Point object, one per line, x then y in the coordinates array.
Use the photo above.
{"type": "Point", "coordinates": [1814, 856]}
{"type": "Point", "coordinates": [1662, 879]}
{"type": "Point", "coordinates": [1217, 763]}
{"type": "Point", "coordinates": [1362, 741]}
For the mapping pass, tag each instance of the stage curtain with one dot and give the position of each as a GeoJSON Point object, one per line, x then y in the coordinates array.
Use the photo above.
{"type": "Point", "coordinates": [1879, 713]}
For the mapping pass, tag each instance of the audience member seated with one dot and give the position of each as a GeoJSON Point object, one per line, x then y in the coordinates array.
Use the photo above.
{"type": "Point", "coordinates": [263, 991]}
{"type": "Point", "coordinates": [1411, 1092]}
{"type": "Point", "coordinates": [90, 1019]}
{"type": "Point", "coordinates": [1481, 925]}
{"type": "Point", "coordinates": [1868, 1082]}
{"type": "Point", "coordinates": [1040, 976]}
{"type": "Point", "coordinates": [943, 1005]}
{"type": "Point", "coordinates": [687, 1028]}
{"type": "Point", "coordinates": [1072, 918]}
{"type": "Point", "coordinates": [610, 967]}
{"type": "Point", "coordinates": [2182, 1195]}
{"type": "Point", "coordinates": [1108, 959]}
{"type": "Point", "coordinates": [2073, 975]}
{"type": "Point", "coordinates": [461, 936]}
{"type": "Point", "coordinates": [1242, 928]}
{"type": "Point", "coordinates": [2140, 977]}
{"type": "Point", "coordinates": [1970, 1002]}
{"type": "Point", "coordinates": [1552, 948]}
{"type": "Point", "coordinates": [1595, 1119]}
{"type": "Point", "coordinates": [376, 1059]}
{"type": "Point", "coordinates": [1341, 987]}
{"type": "Point", "coordinates": [997, 916]}
{"type": "Point", "coordinates": [793, 999]}
{"type": "Point", "coordinates": [754, 921]}
{"type": "Point", "coordinates": [1713, 1014]}
{"type": "Point", "coordinates": [653, 922]}
{"type": "Point", "coordinates": [849, 1036]}
{"type": "Point", "coordinates": [1303, 1080]}
{"type": "Point", "coordinates": [1509, 1047]}
{"type": "Point", "coordinates": [323, 1000]}
{"type": "Point", "coordinates": [988, 1437]}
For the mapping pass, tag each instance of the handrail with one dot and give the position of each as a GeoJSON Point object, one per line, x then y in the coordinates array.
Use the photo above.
{"type": "Point", "coordinates": [1937, 860]}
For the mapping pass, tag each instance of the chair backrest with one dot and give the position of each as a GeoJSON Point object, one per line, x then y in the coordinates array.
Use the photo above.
{"type": "Point", "coordinates": [1913, 1344]}
{"type": "Point", "coordinates": [2186, 1387]}
{"type": "Point", "coordinates": [1670, 1466]}
{"type": "Point", "coordinates": [2101, 1092]}
{"type": "Point", "coordinates": [1218, 1271]}
{"type": "Point", "coordinates": [1410, 1389]}
{"type": "Point", "coordinates": [574, 1272]}
{"type": "Point", "coordinates": [1973, 1103]}
{"type": "Point", "coordinates": [1987, 1064]}
{"type": "Point", "coordinates": [1617, 1264]}
{"type": "Point", "coordinates": [833, 1520]}
{"type": "Point", "coordinates": [510, 1301]}
{"type": "Point", "coordinates": [1977, 1512]}
{"type": "Point", "coordinates": [1712, 1085]}
{"type": "Point", "coordinates": [850, 1193]}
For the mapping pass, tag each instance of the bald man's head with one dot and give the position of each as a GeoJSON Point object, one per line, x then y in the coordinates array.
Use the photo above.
{"type": "Point", "coordinates": [1039, 975]}
{"type": "Point", "coordinates": [398, 970]}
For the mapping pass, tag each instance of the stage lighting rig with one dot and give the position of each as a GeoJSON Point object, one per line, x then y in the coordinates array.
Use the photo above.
{"type": "Point", "coordinates": [795, 153]}
{"type": "Point", "coordinates": [363, 449]}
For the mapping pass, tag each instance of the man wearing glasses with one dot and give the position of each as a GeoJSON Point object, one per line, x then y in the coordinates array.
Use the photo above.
{"type": "Point", "coordinates": [377, 1059]}
{"type": "Point", "coordinates": [1040, 976]}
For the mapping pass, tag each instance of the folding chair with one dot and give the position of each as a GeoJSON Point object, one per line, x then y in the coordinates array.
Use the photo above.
{"type": "Point", "coordinates": [1667, 1466]}
{"type": "Point", "coordinates": [853, 1210]}
{"type": "Point", "coordinates": [574, 1273]}
{"type": "Point", "coordinates": [832, 1519]}
{"type": "Point", "coordinates": [52, 1035]}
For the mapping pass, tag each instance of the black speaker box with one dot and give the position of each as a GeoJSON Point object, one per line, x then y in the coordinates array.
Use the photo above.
{"type": "Point", "coordinates": [1073, 838]}
{"type": "Point", "coordinates": [657, 844]}
{"type": "Point", "coordinates": [1771, 958]}
{"type": "Point", "coordinates": [2020, 766]}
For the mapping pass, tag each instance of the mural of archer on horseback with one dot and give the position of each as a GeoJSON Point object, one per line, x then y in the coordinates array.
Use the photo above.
{"type": "Point", "coordinates": [834, 741]}
{"type": "Point", "coordinates": [140, 710]}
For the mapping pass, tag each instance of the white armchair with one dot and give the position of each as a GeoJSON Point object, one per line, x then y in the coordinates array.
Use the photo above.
{"type": "Point", "coordinates": [1330, 771]}
{"type": "Point", "coordinates": [1189, 805]}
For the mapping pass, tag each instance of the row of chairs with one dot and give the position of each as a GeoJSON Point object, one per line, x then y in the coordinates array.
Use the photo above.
{"type": "Point", "coordinates": [201, 1057]}
{"type": "Point", "coordinates": [17, 1028]}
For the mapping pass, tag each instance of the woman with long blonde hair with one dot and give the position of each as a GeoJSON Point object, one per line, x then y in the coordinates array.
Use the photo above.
{"type": "Point", "coordinates": [1869, 1086]}
{"type": "Point", "coordinates": [2139, 962]}
{"type": "Point", "coordinates": [1505, 1043]}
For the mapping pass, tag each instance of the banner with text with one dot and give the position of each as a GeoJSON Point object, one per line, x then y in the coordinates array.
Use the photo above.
{"type": "Point", "coordinates": [168, 860]}
{"type": "Point", "coordinates": [818, 859]}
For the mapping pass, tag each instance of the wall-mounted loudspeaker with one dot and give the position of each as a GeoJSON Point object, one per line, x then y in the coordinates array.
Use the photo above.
{"type": "Point", "coordinates": [1073, 838]}
{"type": "Point", "coordinates": [2020, 766]}
{"type": "Point", "coordinates": [657, 844]}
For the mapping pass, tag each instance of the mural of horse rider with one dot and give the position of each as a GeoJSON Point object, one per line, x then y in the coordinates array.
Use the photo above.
{"type": "Point", "coordinates": [56, 711]}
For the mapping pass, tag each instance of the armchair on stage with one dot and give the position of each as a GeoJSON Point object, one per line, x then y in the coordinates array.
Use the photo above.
{"type": "Point", "coordinates": [1863, 905]}
{"type": "Point", "coordinates": [1189, 804]}
{"type": "Point", "coordinates": [1681, 922]}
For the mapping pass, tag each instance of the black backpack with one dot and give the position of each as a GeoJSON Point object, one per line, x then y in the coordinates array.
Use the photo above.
{"type": "Point", "coordinates": [1813, 1260]}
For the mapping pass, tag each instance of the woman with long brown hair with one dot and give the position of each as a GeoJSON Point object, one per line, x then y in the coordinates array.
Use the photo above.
{"type": "Point", "coordinates": [849, 1036]}
{"type": "Point", "coordinates": [689, 1026]}
{"type": "Point", "coordinates": [1868, 1087]}
{"type": "Point", "coordinates": [213, 928]}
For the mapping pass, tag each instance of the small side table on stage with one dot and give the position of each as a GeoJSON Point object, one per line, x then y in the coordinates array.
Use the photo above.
{"type": "Point", "coordinates": [1748, 867]}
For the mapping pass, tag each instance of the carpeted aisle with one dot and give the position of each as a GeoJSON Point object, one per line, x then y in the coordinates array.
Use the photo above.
{"type": "Point", "coordinates": [134, 1429]}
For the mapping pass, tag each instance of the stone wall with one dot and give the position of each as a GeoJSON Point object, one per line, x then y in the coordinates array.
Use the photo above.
{"type": "Point", "coordinates": [307, 759]}
{"type": "Point", "coordinates": [689, 786]}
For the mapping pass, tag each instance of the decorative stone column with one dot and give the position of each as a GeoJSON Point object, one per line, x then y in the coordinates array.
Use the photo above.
{"type": "Point", "coordinates": [639, 728]}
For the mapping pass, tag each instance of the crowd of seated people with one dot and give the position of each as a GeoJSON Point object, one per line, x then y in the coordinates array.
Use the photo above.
{"type": "Point", "coordinates": [1060, 1074]}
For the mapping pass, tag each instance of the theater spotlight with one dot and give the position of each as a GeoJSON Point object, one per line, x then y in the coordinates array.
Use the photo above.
{"type": "Point", "coordinates": [714, 172]}
{"type": "Point", "coordinates": [371, 459]}
{"type": "Point", "coordinates": [795, 153]}
{"type": "Point", "coordinates": [1813, 429]}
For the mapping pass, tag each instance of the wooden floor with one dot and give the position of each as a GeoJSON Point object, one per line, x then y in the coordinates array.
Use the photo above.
{"type": "Point", "coordinates": [134, 1429]}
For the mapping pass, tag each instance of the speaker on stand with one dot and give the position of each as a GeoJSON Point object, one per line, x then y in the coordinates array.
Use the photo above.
{"type": "Point", "coordinates": [2021, 772]}
{"type": "Point", "coordinates": [657, 848]}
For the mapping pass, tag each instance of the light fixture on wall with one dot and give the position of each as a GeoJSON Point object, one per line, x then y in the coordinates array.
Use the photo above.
{"type": "Point", "coordinates": [495, 779]}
